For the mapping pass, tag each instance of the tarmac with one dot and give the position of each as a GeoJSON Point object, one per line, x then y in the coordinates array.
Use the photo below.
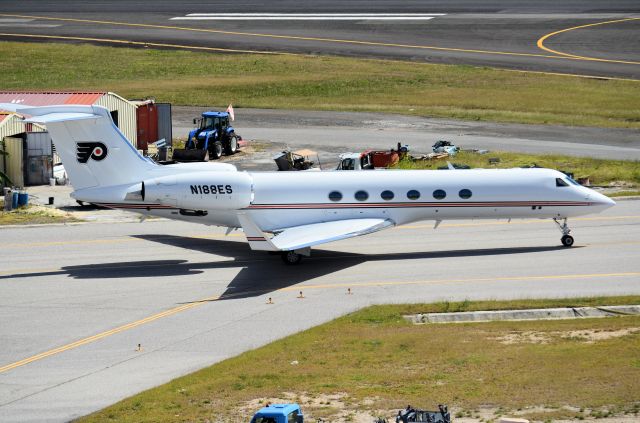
{"type": "Point", "coordinates": [92, 313]}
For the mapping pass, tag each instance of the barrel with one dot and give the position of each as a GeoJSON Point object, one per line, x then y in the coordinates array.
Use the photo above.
{"type": "Point", "coordinates": [23, 198]}
{"type": "Point", "coordinates": [14, 202]}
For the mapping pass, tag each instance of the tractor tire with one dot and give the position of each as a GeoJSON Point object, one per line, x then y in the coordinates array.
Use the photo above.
{"type": "Point", "coordinates": [232, 145]}
{"type": "Point", "coordinates": [216, 151]}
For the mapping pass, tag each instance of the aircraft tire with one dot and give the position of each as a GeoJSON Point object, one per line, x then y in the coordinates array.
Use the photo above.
{"type": "Point", "coordinates": [567, 241]}
{"type": "Point", "coordinates": [291, 258]}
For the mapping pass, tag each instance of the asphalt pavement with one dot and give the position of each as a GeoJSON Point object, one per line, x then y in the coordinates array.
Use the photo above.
{"type": "Point", "coordinates": [77, 300]}
{"type": "Point", "coordinates": [331, 133]}
{"type": "Point", "coordinates": [574, 37]}
{"type": "Point", "coordinates": [92, 313]}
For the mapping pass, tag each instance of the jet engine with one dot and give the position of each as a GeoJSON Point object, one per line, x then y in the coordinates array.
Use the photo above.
{"type": "Point", "coordinates": [200, 190]}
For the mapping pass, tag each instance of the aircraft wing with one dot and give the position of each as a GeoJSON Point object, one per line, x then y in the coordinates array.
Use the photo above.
{"type": "Point", "coordinates": [299, 237]}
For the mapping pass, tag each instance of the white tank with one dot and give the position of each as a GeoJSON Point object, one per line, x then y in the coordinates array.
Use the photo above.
{"type": "Point", "coordinates": [200, 191]}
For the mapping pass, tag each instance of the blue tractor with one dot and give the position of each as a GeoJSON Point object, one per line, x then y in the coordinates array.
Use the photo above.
{"type": "Point", "coordinates": [279, 413]}
{"type": "Point", "coordinates": [210, 140]}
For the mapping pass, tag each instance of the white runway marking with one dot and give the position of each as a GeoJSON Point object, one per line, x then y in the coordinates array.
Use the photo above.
{"type": "Point", "coordinates": [309, 16]}
{"type": "Point", "coordinates": [10, 22]}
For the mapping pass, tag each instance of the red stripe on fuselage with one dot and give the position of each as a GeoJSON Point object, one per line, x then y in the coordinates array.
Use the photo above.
{"type": "Point", "coordinates": [414, 205]}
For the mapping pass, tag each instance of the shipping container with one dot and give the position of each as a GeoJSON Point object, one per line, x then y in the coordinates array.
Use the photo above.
{"type": "Point", "coordinates": [165, 125]}
{"type": "Point", "coordinates": [147, 116]}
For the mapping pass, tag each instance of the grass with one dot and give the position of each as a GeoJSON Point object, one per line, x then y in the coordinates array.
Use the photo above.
{"type": "Point", "coordinates": [626, 194]}
{"type": "Point", "coordinates": [322, 83]}
{"type": "Point", "coordinates": [33, 215]}
{"type": "Point", "coordinates": [599, 171]}
{"type": "Point", "coordinates": [375, 360]}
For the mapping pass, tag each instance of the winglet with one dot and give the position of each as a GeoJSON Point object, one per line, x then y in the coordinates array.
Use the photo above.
{"type": "Point", "coordinates": [257, 239]}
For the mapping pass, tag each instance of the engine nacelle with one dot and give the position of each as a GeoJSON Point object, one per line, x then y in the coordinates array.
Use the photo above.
{"type": "Point", "coordinates": [200, 190]}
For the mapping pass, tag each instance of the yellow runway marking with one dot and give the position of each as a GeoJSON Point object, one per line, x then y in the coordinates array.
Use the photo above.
{"type": "Point", "coordinates": [110, 241]}
{"type": "Point", "coordinates": [574, 75]}
{"type": "Point", "coordinates": [541, 41]}
{"type": "Point", "coordinates": [251, 34]}
{"type": "Point", "coordinates": [105, 334]}
{"type": "Point", "coordinates": [440, 281]}
{"type": "Point", "coordinates": [141, 43]}
{"type": "Point", "coordinates": [108, 266]}
{"type": "Point", "coordinates": [188, 306]}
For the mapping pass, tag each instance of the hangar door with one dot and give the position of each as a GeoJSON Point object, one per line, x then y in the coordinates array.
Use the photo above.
{"type": "Point", "coordinates": [39, 159]}
{"type": "Point", "coordinates": [14, 160]}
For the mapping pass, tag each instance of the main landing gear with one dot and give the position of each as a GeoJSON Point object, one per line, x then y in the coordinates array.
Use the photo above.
{"type": "Point", "coordinates": [567, 240]}
{"type": "Point", "coordinates": [291, 257]}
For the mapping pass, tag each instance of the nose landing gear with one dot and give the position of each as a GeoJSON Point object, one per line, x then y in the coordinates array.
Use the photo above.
{"type": "Point", "coordinates": [566, 240]}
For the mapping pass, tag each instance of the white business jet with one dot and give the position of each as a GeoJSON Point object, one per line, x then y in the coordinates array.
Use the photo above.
{"type": "Point", "coordinates": [289, 212]}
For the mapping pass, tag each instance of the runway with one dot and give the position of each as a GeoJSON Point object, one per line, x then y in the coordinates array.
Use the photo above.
{"type": "Point", "coordinates": [574, 37]}
{"type": "Point", "coordinates": [77, 300]}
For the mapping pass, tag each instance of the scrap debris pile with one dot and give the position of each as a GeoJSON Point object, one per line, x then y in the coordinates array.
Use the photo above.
{"type": "Point", "coordinates": [411, 414]}
{"type": "Point", "coordinates": [441, 149]}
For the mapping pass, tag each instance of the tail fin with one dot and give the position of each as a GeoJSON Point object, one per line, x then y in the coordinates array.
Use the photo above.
{"type": "Point", "coordinates": [93, 150]}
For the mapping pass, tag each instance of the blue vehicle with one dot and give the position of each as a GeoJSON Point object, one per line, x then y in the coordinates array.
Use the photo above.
{"type": "Point", "coordinates": [210, 140]}
{"type": "Point", "coordinates": [279, 413]}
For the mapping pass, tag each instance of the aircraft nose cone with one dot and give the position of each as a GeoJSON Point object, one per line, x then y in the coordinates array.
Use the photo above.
{"type": "Point", "coordinates": [602, 200]}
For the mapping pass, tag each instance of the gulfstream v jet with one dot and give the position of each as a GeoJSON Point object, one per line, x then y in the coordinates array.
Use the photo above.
{"type": "Point", "coordinates": [289, 212]}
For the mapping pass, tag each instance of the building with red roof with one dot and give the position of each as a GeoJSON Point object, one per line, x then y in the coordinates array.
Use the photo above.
{"type": "Point", "coordinates": [31, 153]}
{"type": "Point", "coordinates": [122, 111]}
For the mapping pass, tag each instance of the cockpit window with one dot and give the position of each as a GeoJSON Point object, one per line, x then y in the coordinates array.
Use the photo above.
{"type": "Point", "coordinates": [572, 181]}
{"type": "Point", "coordinates": [561, 182]}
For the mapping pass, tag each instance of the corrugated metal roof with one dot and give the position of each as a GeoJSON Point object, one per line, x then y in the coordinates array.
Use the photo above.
{"type": "Point", "coordinates": [49, 98]}
{"type": "Point", "coordinates": [84, 98]}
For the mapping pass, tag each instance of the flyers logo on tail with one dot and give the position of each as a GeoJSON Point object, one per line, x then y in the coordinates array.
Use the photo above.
{"type": "Point", "coordinates": [90, 150]}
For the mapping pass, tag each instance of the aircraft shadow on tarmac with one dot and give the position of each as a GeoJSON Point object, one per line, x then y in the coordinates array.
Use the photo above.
{"type": "Point", "coordinates": [261, 273]}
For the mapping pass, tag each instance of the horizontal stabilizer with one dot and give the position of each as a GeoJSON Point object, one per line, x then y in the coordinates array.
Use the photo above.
{"type": "Point", "coordinates": [94, 151]}
{"type": "Point", "coordinates": [60, 117]}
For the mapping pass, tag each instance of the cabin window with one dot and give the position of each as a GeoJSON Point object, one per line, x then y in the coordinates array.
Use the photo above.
{"type": "Point", "coordinates": [413, 194]}
{"type": "Point", "coordinates": [439, 194]}
{"type": "Point", "coordinates": [387, 195]}
{"type": "Point", "coordinates": [465, 193]}
{"type": "Point", "coordinates": [335, 196]}
{"type": "Point", "coordinates": [561, 182]}
{"type": "Point", "coordinates": [362, 195]}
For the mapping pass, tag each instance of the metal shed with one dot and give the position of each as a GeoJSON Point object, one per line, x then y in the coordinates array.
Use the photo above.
{"type": "Point", "coordinates": [13, 124]}
{"type": "Point", "coordinates": [13, 130]}
{"type": "Point", "coordinates": [122, 111]}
